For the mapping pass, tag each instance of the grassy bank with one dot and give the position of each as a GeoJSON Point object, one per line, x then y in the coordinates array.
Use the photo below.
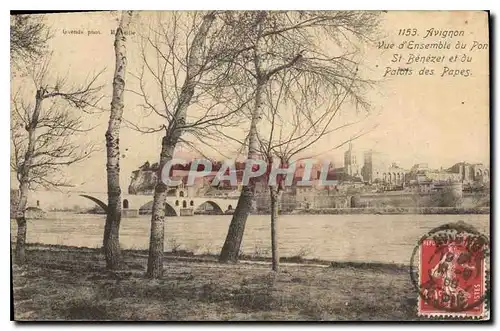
{"type": "Point", "coordinates": [189, 256]}
{"type": "Point", "coordinates": [61, 283]}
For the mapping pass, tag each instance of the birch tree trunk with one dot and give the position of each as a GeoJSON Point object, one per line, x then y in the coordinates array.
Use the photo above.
{"type": "Point", "coordinates": [274, 195]}
{"type": "Point", "coordinates": [231, 248]}
{"type": "Point", "coordinates": [169, 142]}
{"type": "Point", "coordinates": [111, 240]}
{"type": "Point", "coordinates": [157, 235]}
{"type": "Point", "coordinates": [24, 181]}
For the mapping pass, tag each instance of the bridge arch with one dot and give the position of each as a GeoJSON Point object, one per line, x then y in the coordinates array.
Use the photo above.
{"type": "Point", "coordinates": [213, 205]}
{"type": "Point", "coordinates": [147, 208]}
{"type": "Point", "coordinates": [125, 204]}
{"type": "Point", "coordinates": [98, 202]}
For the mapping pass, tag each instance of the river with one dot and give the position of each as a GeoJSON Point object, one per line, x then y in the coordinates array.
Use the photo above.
{"type": "Point", "coordinates": [355, 238]}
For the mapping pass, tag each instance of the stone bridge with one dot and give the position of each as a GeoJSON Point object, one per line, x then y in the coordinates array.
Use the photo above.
{"type": "Point", "coordinates": [174, 205]}
{"type": "Point", "coordinates": [48, 201]}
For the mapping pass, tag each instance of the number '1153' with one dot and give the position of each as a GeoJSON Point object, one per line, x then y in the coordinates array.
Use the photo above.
{"type": "Point", "coordinates": [407, 32]}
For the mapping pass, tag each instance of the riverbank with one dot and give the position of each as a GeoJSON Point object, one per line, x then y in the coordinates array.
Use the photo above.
{"type": "Point", "coordinates": [395, 211]}
{"type": "Point", "coordinates": [342, 211]}
{"type": "Point", "coordinates": [67, 283]}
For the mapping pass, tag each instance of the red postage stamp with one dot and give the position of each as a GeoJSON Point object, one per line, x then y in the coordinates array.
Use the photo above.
{"type": "Point", "coordinates": [452, 274]}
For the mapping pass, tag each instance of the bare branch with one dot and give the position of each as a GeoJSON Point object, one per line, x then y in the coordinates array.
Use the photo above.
{"type": "Point", "coordinates": [44, 135]}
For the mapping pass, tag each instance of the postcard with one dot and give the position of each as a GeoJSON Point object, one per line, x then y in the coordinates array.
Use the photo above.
{"type": "Point", "coordinates": [250, 166]}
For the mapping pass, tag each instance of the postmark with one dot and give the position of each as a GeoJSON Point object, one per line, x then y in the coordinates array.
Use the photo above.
{"type": "Point", "coordinates": [449, 272]}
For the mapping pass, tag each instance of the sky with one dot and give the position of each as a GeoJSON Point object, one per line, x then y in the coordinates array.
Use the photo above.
{"type": "Point", "coordinates": [413, 119]}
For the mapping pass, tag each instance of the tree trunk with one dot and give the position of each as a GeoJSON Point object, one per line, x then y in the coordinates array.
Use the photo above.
{"type": "Point", "coordinates": [21, 224]}
{"type": "Point", "coordinates": [157, 235]}
{"type": "Point", "coordinates": [111, 240]}
{"type": "Point", "coordinates": [231, 249]}
{"type": "Point", "coordinates": [24, 180]}
{"type": "Point", "coordinates": [169, 142]}
{"type": "Point", "coordinates": [274, 195]}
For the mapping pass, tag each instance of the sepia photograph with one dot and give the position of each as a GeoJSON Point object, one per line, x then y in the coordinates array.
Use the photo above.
{"type": "Point", "coordinates": [250, 165]}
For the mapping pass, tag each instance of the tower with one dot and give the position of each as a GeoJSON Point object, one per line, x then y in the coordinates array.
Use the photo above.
{"type": "Point", "coordinates": [368, 166]}
{"type": "Point", "coordinates": [350, 163]}
{"type": "Point", "coordinates": [374, 167]}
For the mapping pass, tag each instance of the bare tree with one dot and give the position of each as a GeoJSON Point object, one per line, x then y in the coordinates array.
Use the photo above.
{"type": "Point", "coordinates": [289, 128]}
{"type": "Point", "coordinates": [28, 38]}
{"type": "Point", "coordinates": [111, 241]}
{"type": "Point", "coordinates": [185, 63]}
{"type": "Point", "coordinates": [42, 135]}
{"type": "Point", "coordinates": [319, 51]}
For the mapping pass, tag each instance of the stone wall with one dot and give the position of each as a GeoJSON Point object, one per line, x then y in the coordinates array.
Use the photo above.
{"type": "Point", "coordinates": [388, 200]}
{"type": "Point", "coordinates": [379, 200]}
{"type": "Point", "coordinates": [263, 202]}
